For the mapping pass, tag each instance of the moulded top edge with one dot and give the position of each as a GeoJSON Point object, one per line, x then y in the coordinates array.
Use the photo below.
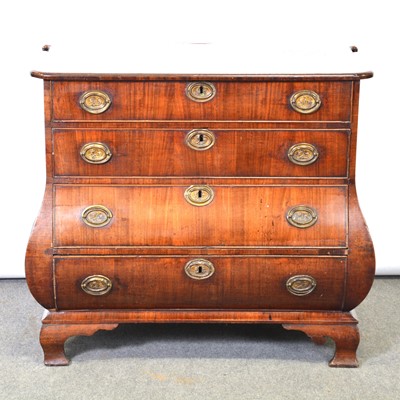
{"type": "Point", "coordinates": [61, 76]}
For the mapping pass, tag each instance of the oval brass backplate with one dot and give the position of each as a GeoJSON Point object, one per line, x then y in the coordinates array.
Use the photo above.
{"type": "Point", "coordinates": [96, 216]}
{"type": "Point", "coordinates": [199, 269]}
{"type": "Point", "coordinates": [302, 216]}
{"type": "Point", "coordinates": [200, 139]}
{"type": "Point", "coordinates": [200, 91]}
{"type": "Point", "coordinates": [95, 153]}
{"type": "Point", "coordinates": [96, 285]}
{"type": "Point", "coordinates": [301, 285]}
{"type": "Point", "coordinates": [95, 102]}
{"type": "Point", "coordinates": [199, 195]}
{"type": "Point", "coordinates": [305, 101]}
{"type": "Point", "coordinates": [303, 154]}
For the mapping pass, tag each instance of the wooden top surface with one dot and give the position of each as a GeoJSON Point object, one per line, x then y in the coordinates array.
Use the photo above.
{"type": "Point", "coordinates": [208, 61]}
{"type": "Point", "coordinates": [62, 76]}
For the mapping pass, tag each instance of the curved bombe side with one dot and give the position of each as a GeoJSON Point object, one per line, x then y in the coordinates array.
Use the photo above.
{"type": "Point", "coordinates": [361, 259]}
{"type": "Point", "coordinates": [39, 255]}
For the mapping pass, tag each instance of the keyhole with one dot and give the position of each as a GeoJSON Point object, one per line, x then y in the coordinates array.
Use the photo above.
{"type": "Point", "coordinates": [200, 270]}
{"type": "Point", "coordinates": [201, 138]}
{"type": "Point", "coordinates": [201, 89]}
{"type": "Point", "coordinates": [200, 194]}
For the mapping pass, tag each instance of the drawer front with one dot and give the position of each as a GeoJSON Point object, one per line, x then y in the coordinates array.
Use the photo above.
{"type": "Point", "coordinates": [169, 101]}
{"type": "Point", "coordinates": [295, 283]}
{"type": "Point", "coordinates": [234, 216]}
{"type": "Point", "coordinates": [200, 153]}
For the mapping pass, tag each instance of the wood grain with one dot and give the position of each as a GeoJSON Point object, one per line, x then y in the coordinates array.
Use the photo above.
{"type": "Point", "coordinates": [346, 338]}
{"type": "Point", "coordinates": [39, 252]}
{"type": "Point", "coordinates": [243, 231]}
{"type": "Point", "coordinates": [235, 153]}
{"type": "Point", "coordinates": [53, 337]}
{"type": "Point", "coordinates": [54, 76]}
{"type": "Point", "coordinates": [198, 316]}
{"type": "Point", "coordinates": [238, 282]}
{"type": "Point", "coordinates": [340, 326]}
{"type": "Point", "coordinates": [233, 100]}
{"type": "Point", "coordinates": [238, 216]}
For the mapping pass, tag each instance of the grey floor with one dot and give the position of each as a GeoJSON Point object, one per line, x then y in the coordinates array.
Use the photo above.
{"type": "Point", "coordinates": [199, 361]}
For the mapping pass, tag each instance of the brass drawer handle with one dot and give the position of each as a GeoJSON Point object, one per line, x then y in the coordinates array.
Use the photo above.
{"type": "Point", "coordinates": [96, 285]}
{"type": "Point", "coordinates": [200, 91]}
{"type": "Point", "coordinates": [200, 139]}
{"type": "Point", "coordinates": [96, 216]}
{"type": "Point", "coordinates": [95, 153]}
{"type": "Point", "coordinates": [95, 102]}
{"type": "Point", "coordinates": [199, 195]}
{"type": "Point", "coordinates": [305, 101]}
{"type": "Point", "coordinates": [301, 285]}
{"type": "Point", "coordinates": [303, 154]}
{"type": "Point", "coordinates": [302, 216]}
{"type": "Point", "coordinates": [199, 269]}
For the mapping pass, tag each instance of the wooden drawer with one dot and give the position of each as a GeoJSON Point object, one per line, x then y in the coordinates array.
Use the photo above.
{"type": "Point", "coordinates": [237, 282]}
{"type": "Point", "coordinates": [232, 101]}
{"type": "Point", "coordinates": [237, 216]}
{"type": "Point", "coordinates": [170, 153]}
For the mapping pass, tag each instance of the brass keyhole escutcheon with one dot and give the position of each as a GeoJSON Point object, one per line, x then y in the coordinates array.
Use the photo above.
{"type": "Point", "coordinates": [96, 216]}
{"type": "Point", "coordinates": [95, 153]}
{"type": "Point", "coordinates": [303, 154]}
{"type": "Point", "coordinates": [200, 139]}
{"type": "Point", "coordinates": [302, 216]}
{"type": "Point", "coordinates": [301, 285]}
{"type": "Point", "coordinates": [305, 101]}
{"type": "Point", "coordinates": [95, 102]}
{"type": "Point", "coordinates": [96, 285]}
{"type": "Point", "coordinates": [200, 92]}
{"type": "Point", "coordinates": [199, 269]}
{"type": "Point", "coordinates": [199, 195]}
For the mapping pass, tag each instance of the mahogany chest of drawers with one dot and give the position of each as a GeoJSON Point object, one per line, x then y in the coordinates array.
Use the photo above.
{"type": "Point", "coordinates": [200, 198]}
